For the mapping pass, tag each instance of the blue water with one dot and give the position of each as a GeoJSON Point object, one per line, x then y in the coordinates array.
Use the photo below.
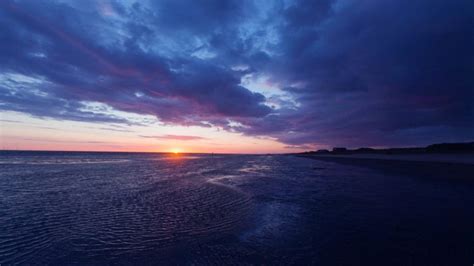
{"type": "Point", "coordinates": [118, 208]}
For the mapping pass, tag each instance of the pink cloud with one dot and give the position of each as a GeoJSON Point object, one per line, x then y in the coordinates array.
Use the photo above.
{"type": "Point", "coordinates": [175, 137]}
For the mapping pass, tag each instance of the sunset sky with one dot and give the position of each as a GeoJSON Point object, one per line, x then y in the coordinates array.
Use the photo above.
{"type": "Point", "coordinates": [235, 76]}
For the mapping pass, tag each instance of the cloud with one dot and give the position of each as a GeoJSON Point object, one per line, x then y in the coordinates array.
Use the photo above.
{"type": "Point", "coordinates": [115, 129]}
{"type": "Point", "coordinates": [77, 68]}
{"type": "Point", "coordinates": [374, 73]}
{"type": "Point", "coordinates": [348, 72]}
{"type": "Point", "coordinates": [65, 141]}
{"type": "Point", "coordinates": [9, 121]}
{"type": "Point", "coordinates": [174, 137]}
{"type": "Point", "coordinates": [304, 147]}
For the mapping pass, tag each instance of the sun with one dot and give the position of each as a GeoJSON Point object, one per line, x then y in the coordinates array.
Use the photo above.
{"type": "Point", "coordinates": [176, 150]}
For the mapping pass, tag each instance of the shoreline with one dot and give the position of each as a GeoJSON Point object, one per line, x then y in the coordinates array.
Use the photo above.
{"type": "Point", "coordinates": [421, 165]}
{"type": "Point", "coordinates": [461, 158]}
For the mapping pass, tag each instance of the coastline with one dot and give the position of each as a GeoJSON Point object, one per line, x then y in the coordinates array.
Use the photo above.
{"type": "Point", "coordinates": [456, 158]}
{"type": "Point", "coordinates": [459, 166]}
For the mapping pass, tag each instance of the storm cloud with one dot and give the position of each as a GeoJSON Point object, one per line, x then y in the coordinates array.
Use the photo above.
{"type": "Point", "coordinates": [340, 72]}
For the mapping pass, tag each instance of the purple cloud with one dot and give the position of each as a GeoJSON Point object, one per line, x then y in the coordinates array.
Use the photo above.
{"type": "Point", "coordinates": [347, 73]}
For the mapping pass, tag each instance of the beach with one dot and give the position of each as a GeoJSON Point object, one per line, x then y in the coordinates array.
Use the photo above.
{"type": "Point", "coordinates": [460, 158]}
{"type": "Point", "coordinates": [441, 166]}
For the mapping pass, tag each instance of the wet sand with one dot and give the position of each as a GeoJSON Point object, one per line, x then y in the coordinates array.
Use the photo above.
{"type": "Point", "coordinates": [424, 165]}
{"type": "Point", "coordinates": [444, 158]}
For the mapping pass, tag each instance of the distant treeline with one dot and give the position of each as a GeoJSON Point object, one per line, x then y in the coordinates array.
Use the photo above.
{"type": "Point", "coordinates": [467, 147]}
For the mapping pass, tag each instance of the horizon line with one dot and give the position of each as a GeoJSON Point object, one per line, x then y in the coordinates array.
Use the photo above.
{"type": "Point", "coordinates": [157, 152]}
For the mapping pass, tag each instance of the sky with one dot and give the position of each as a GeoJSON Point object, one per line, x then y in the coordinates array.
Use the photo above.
{"type": "Point", "coordinates": [235, 76]}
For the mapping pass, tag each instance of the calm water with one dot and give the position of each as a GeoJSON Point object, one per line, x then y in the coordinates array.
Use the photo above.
{"type": "Point", "coordinates": [93, 208]}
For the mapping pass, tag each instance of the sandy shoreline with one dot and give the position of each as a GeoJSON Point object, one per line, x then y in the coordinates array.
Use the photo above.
{"type": "Point", "coordinates": [439, 158]}
{"type": "Point", "coordinates": [421, 165]}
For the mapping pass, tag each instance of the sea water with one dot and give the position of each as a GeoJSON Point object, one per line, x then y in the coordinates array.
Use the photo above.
{"type": "Point", "coordinates": [156, 209]}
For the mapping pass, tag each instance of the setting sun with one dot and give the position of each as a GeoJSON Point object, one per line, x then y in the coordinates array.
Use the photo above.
{"type": "Point", "coordinates": [176, 150]}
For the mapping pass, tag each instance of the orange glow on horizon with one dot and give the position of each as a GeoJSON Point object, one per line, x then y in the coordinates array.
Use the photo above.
{"type": "Point", "coordinates": [176, 150]}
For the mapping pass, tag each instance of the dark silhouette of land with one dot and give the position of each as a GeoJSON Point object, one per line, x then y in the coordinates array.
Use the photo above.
{"type": "Point", "coordinates": [453, 160]}
{"type": "Point", "coordinates": [454, 153]}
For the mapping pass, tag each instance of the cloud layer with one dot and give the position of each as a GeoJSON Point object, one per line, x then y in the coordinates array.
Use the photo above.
{"type": "Point", "coordinates": [340, 72]}
{"type": "Point", "coordinates": [175, 137]}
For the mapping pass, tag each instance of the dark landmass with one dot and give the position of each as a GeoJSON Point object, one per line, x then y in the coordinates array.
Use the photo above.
{"type": "Point", "coordinates": [447, 148]}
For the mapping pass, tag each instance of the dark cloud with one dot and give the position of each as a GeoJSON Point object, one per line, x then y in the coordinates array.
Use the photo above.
{"type": "Point", "coordinates": [376, 73]}
{"type": "Point", "coordinates": [176, 89]}
{"type": "Point", "coordinates": [349, 72]}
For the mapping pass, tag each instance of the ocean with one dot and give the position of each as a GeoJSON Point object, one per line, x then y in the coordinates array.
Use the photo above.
{"type": "Point", "coordinates": [77, 208]}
